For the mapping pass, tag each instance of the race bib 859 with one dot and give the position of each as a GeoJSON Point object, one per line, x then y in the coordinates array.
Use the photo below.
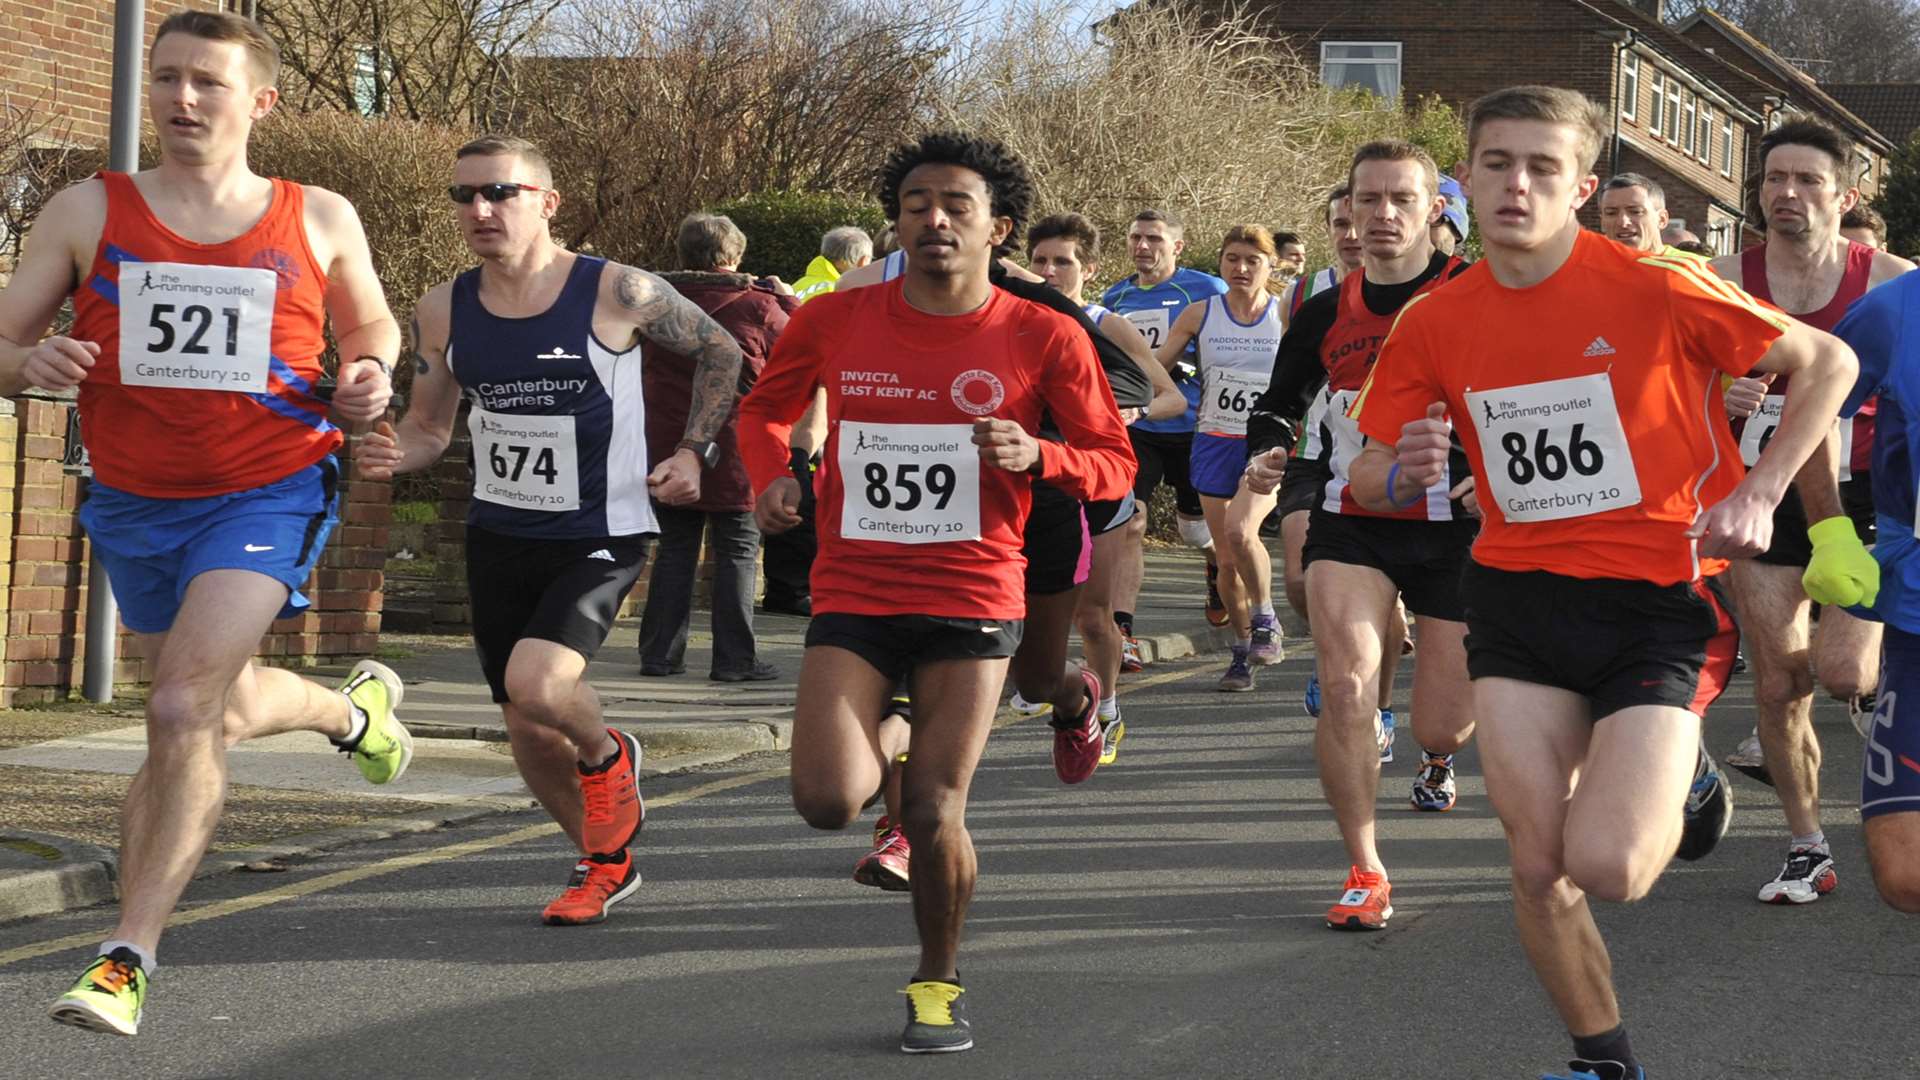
{"type": "Point", "coordinates": [909, 483]}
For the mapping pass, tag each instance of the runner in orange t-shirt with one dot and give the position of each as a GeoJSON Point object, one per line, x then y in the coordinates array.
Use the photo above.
{"type": "Point", "coordinates": [935, 386]}
{"type": "Point", "coordinates": [1611, 491]}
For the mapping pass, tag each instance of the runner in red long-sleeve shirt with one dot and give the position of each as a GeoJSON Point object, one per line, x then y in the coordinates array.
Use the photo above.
{"type": "Point", "coordinates": [935, 386]}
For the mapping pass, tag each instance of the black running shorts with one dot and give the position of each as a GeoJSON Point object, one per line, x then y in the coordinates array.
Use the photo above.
{"type": "Point", "coordinates": [1620, 644]}
{"type": "Point", "coordinates": [1423, 559]}
{"type": "Point", "coordinates": [1790, 544]}
{"type": "Point", "coordinates": [1165, 456]}
{"type": "Point", "coordinates": [893, 644]}
{"type": "Point", "coordinates": [563, 591]}
{"type": "Point", "coordinates": [1058, 548]}
{"type": "Point", "coordinates": [1107, 515]}
{"type": "Point", "coordinates": [1302, 486]}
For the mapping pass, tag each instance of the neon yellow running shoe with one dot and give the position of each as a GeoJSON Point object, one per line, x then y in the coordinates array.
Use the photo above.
{"type": "Point", "coordinates": [385, 749]}
{"type": "Point", "coordinates": [108, 998]}
{"type": "Point", "coordinates": [1110, 748]}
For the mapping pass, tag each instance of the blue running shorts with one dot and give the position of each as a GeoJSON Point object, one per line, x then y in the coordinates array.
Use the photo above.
{"type": "Point", "coordinates": [1890, 769]}
{"type": "Point", "coordinates": [153, 548]}
{"type": "Point", "coordinates": [1217, 463]}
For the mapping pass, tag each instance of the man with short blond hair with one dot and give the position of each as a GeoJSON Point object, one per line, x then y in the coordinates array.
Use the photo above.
{"type": "Point", "coordinates": [198, 329]}
{"type": "Point", "coordinates": [1633, 211]}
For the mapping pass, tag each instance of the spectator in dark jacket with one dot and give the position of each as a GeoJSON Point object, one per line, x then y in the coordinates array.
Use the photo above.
{"type": "Point", "coordinates": [710, 248]}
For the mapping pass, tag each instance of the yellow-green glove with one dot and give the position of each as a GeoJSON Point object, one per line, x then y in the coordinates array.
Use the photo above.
{"type": "Point", "coordinates": [1842, 572]}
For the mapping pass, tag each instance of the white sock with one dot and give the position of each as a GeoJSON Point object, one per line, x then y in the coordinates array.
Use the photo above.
{"type": "Point", "coordinates": [1109, 707]}
{"type": "Point", "coordinates": [147, 962]}
{"type": "Point", "coordinates": [1265, 611]}
{"type": "Point", "coordinates": [1818, 839]}
{"type": "Point", "coordinates": [357, 724]}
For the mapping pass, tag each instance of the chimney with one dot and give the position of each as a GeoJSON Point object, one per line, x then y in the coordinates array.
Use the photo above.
{"type": "Point", "coordinates": [1654, 9]}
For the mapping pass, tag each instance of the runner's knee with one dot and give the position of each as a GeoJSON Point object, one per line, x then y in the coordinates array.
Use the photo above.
{"type": "Point", "coordinates": [825, 805]}
{"type": "Point", "coordinates": [1610, 870]}
{"type": "Point", "coordinates": [924, 813]}
{"type": "Point", "coordinates": [1783, 684]}
{"type": "Point", "coordinates": [185, 709]}
{"type": "Point", "coordinates": [1847, 679]}
{"type": "Point", "coordinates": [1896, 873]}
{"type": "Point", "coordinates": [1539, 879]}
{"type": "Point", "coordinates": [541, 695]}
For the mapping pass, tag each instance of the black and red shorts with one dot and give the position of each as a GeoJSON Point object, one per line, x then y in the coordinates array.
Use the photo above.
{"type": "Point", "coordinates": [1619, 644]}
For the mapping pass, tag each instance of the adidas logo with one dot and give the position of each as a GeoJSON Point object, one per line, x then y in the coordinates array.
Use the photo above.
{"type": "Point", "coordinates": [1599, 348]}
{"type": "Point", "coordinates": [603, 553]}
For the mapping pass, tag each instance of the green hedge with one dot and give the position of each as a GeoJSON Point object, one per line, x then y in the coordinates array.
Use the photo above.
{"type": "Point", "coordinates": [784, 227]}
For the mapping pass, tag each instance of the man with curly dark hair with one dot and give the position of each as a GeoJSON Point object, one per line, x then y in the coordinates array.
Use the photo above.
{"type": "Point", "coordinates": [935, 385]}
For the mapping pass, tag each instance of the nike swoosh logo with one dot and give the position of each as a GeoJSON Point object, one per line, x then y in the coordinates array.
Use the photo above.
{"type": "Point", "coordinates": [257, 548]}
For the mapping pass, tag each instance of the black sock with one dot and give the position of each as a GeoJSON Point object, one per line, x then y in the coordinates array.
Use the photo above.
{"type": "Point", "coordinates": [1124, 620]}
{"type": "Point", "coordinates": [1607, 1046]}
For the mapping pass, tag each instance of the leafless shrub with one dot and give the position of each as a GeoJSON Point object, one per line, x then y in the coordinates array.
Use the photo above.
{"type": "Point", "coordinates": [1196, 111]}
{"type": "Point", "coordinates": [37, 159]}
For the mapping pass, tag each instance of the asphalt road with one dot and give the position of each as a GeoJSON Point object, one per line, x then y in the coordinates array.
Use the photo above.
{"type": "Point", "coordinates": [1163, 920]}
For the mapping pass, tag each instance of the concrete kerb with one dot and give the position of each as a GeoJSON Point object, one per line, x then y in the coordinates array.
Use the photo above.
{"type": "Point", "coordinates": [77, 875]}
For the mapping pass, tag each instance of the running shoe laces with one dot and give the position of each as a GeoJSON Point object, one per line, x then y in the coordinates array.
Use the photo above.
{"type": "Point", "coordinates": [933, 1002]}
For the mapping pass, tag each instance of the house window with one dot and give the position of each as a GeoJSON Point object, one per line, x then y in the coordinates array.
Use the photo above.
{"type": "Point", "coordinates": [1629, 85]}
{"type": "Point", "coordinates": [1657, 122]}
{"type": "Point", "coordinates": [1863, 169]}
{"type": "Point", "coordinates": [1673, 111]}
{"type": "Point", "coordinates": [1370, 65]}
{"type": "Point", "coordinates": [366, 86]}
{"type": "Point", "coordinates": [1689, 123]}
{"type": "Point", "coordinates": [1705, 137]}
{"type": "Point", "coordinates": [1726, 146]}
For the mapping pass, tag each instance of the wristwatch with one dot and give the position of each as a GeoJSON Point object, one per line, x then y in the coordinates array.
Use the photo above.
{"type": "Point", "coordinates": [708, 451]}
{"type": "Point", "coordinates": [384, 365]}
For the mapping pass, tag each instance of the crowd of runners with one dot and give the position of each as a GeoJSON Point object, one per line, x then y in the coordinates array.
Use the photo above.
{"type": "Point", "coordinates": [1565, 482]}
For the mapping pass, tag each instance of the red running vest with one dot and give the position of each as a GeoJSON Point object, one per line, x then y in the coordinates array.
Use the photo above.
{"type": "Point", "coordinates": [208, 352]}
{"type": "Point", "coordinates": [1853, 286]}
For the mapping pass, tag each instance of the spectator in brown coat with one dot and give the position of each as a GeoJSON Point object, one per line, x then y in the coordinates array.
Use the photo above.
{"type": "Point", "coordinates": [711, 248]}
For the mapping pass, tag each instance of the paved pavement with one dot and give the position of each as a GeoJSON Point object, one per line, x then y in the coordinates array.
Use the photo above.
{"type": "Point", "coordinates": [292, 794]}
{"type": "Point", "coordinates": [1160, 921]}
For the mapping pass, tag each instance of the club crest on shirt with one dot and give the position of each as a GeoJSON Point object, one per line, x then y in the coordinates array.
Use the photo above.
{"type": "Point", "coordinates": [977, 392]}
{"type": "Point", "coordinates": [284, 266]}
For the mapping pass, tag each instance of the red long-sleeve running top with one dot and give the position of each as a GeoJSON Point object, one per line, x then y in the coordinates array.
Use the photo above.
{"type": "Point", "coordinates": [910, 520]}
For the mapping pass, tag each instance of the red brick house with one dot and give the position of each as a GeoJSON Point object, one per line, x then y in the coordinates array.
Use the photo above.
{"type": "Point", "coordinates": [1680, 116]}
{"type": "Point", "coordinates": [1793, 91]}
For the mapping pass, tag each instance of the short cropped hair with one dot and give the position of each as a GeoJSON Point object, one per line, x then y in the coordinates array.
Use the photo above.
{"type": "Point", "coordinates": [1334, 199]}
{"type": "Point", "coordinates": [1257, 237]}
{"type": "Point", "coordinates": [710, 241]}
{"type": "Point", "coordinates": [1084, 234]}
{"type": "Point", "coordinates": [1174, 223]}
{"type": "Point", "coordinates": [1655, 193]}
{"type": "Point", "coordinates": [1009, 184]}
{"type": "Point", "coordinates": [1284, 237]}
{"type": "Point", "coordinates": [1866, 217]}
{"type": "Point", "coordinates": [1822, 136]}
{"type": "Point", "coordinates": [1551, 104]}
{"type": "Point", "coordinates": [848, 244]}
{"type": "Point", "coordinates": [1397, 150]}
{"type": "Point", "coordinates": [509, 146]}
{"type": "Point", "coordinates": [262, 53]}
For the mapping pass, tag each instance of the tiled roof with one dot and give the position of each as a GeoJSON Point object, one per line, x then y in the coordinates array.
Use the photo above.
{"type": "Point", "coordinates": [1892, 108]}
{"type": "Point", "coordinates": [1797, 81]}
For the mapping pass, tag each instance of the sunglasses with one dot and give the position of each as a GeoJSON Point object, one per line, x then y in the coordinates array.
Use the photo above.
{"type": "Point", "coordinates": [493, 193]}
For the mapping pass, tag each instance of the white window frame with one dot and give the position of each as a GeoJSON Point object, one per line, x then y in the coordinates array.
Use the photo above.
{"type": "Point", "coordinates": [1726, 145]}
{"type": "Point", "coordinates": [1398, 61]}
{"type": "Point", "coordinates": [1704, 128]}
{"type": "Point", "coordinates": [1673, 111]}
{"type": "Point", "coordinates": [1656, 123]}
{"type": "Point", "coordinates": [1629, 75]}
{"type": "Point", "coordinates": [1690, 118]}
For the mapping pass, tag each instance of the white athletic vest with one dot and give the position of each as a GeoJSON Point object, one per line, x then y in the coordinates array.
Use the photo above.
{"type": "Point", "coordinates": [1236, 363]}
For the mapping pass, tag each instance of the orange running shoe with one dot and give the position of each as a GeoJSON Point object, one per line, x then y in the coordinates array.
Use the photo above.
{"type": "Point", "coordinates": [886, 866]}
{"type": "Point", "coordinates": [1365, 905]}
{"type": "Point", "coordinates": [615, 811]}
{"type": "Point", "coordinates": [598, 883]}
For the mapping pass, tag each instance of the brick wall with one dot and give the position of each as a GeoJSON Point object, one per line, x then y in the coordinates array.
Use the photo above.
{"type": "Point", "coordinates": [57, 56]}
{"type": "Point", "coordinates": [43, 571]}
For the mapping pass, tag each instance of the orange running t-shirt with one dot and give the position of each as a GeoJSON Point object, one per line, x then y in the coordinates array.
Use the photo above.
{"type": "Point", "coordinates": [1589, 405]}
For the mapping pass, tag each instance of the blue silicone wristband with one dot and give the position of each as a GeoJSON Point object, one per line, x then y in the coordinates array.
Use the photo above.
{"type": "Point", "coordinates": [1393, 474]}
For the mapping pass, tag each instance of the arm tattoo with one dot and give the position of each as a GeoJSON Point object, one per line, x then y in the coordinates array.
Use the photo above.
{"type": "Point", "coordinates": [420, 365]}
{"type": "Point", "coordinates": [673, 322]}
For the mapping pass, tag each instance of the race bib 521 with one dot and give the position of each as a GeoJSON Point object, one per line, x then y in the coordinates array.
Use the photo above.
{"type": "Point", "coordinates": [195, 327]}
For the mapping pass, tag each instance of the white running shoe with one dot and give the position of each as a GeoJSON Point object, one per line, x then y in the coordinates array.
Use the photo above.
{"type": "Point", "coordinates": [1029, 708]}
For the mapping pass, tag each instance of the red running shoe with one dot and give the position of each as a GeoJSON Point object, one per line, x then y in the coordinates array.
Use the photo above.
{"type": "Point", "coordinates": [1366, 905]}
{"type": "Point", "coordinates": [886, 866]}
{"type": "Point", "coordinates": [615, 811]}
{"type": "Point", "coordinates": [598, 883]}
{"type": "Point", "coordinates": [1077, 743]}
